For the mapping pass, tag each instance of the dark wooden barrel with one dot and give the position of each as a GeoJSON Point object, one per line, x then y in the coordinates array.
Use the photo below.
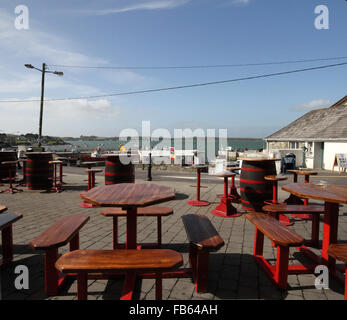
{"type": "Point", "coordinates": [7, 156]}
{"type": "Point", "coordinates": [38, 171]}
{"type": "Point", "coordinates": [118, 170]}
{"type": "Point", "coordinates": [253, 187]}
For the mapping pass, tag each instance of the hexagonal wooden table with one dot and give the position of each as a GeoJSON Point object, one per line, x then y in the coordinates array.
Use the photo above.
{"type": "Point", "coordinates": [129, 196]}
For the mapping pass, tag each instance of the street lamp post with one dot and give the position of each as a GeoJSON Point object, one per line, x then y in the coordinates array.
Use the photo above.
{"type": "Point", "coordinates": [43, 71]}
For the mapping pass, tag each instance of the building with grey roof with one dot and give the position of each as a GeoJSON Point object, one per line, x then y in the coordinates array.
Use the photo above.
{"type": "Point", "coordinates": [315, 138]}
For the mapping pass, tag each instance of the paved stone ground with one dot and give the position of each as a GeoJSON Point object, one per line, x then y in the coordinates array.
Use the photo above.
{"type": "Point", "coordinates": [233, 274]}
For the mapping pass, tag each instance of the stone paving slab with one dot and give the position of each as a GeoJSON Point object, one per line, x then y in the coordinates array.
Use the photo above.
{"type": "Point", "coordinates": [233, 273]}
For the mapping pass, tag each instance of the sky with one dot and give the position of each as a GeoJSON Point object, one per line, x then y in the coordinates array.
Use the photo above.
{"type": "Point", "coordinates": [155, 33]}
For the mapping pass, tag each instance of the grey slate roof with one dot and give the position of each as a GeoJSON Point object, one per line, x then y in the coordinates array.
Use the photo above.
{"type": "Point", "coordinates": [317, 125]}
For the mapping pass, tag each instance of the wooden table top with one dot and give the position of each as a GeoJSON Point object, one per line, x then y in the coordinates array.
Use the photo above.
{"type": "Point", "coordinates": [329, 193]}
{"type": "Point", "coordinates": [259, 159]}
{"type": "Point", "coordinates": [225, 174]}
{"type": "Point", "coordinates": [304, 172]}
{"type": "Point", "coordinates": [275, 178]}
{"type": "Point", "coordinates": [128, 195]}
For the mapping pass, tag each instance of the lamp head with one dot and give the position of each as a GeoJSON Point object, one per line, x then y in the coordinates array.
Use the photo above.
{"type": "Point", "coordinates": [29, 66]}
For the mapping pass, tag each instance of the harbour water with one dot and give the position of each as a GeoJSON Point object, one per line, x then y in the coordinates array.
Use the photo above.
{"type": "Point", "coordinates": [186, 144]}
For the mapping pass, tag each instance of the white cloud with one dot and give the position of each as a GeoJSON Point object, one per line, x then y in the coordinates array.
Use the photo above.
{"type": "Point", "coordinates": [241, 1]}
{"type": "Point", "coordinates": [313, 104]}
{"type": "Point", "coordinates": [59, 117]}
{"type": "Point", "coordinates": [39, 44]}
{"type": "Point", "coordinates": [148, 5]}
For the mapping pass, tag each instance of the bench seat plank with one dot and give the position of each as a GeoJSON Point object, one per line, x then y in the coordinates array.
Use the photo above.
{"type": "Point", "coordinates": [201, 232]}
{"type": "Point", "coordinates": [60, 233]}
{"type": "Point", "coordinates": [108, 261]}
{"type": "Point", "coordinates": [145, 211]}
{"type": "Point", "coordinates": [274, 230]}
{"type": "Point", "coordinates": [8, 218]}
{"type": "Point", "coordinates": [338, 252]}
{"type": "Point", "coordinates": [294, 208]}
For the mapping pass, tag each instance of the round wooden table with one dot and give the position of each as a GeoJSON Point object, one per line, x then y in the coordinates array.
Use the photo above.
{"type": "Point", "coordinates": [225, 209]}
{"type": "Point", "coordinates": [235, 197]}
{"type": "Point", "coordinates": [129, 196]}
{"type": "Point", "coordinates": [198, 202]}
{"type": "Point", "coordinates": [332, 195]}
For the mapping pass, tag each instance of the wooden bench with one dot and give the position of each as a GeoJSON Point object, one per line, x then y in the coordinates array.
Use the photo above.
{"type": "Point", "coordinates": [339, 252]}
{"type": "Point", "coordinates": [152, 211]}
{"type": "Point", "coordinates": [203, 238]}
{"type": "Point", "coordinates": [64, 231]}
{"type": "Point", "coordinates": [108, 262]}
{"type": "Point", "coordinates": [314, 210]}
{"type": "Point", "coordinates": [6, 221]}
{"type": "Point", "coordinates": [282, 237]}
{"type": "Point", "coordinates": [2, 208]}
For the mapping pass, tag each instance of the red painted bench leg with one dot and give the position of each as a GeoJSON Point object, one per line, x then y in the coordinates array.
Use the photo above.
{"type": "Point", "coordinates": [158, 286]}
{"type": "Point", "coordinates": [281, 274]}
{"type": "Point", "coordinates": [51, 273]}
{"type": "Point", "coordinates": [346, 283]}
{"type": "Point", "coordinates": [75, 242]}
{"type": "Point", "coordinates": [129, 284]}
{"type": "Point", "coordinates": [201, 283]}
{"type": "Point", "coordinates": [258, 243]}
{"type": "Point", "coordinates": [82, 286]}
{"type": "Point", "coordinates": [7, 245]}
{"type": "Point", "coordinates": [192, 259]}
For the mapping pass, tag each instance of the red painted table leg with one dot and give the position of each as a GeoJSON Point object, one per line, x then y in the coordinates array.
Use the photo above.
{"type": "Point", "coordinates": [131, 228]}
{"type": "Point", "coordinates": [305, 216]}
{"type": "Point", "coordinates": [233, 194]}
{"type": "Point", "coordinates": [330, 226]}
{"type": "Point", "coordinates": [294, 199]}
{"type": "Point", "coordinates": [225, 209]}
{"type": "Point", "coordinates": [61, 174]}
{"type": "Point", "coordinates": [11, 189]}
{"type": "Point", "coordinates": [91, 184]}
{"type": "Point", "coordinates": [282, 218]}
{"type": "Point", "coordinates": [198, 202]}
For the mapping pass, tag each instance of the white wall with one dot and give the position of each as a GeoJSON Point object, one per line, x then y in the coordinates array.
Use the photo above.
{"type": "Point", "coordinates": [330, 149]}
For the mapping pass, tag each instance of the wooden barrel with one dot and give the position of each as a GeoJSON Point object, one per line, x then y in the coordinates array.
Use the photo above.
{"type": "Point", "coordinates": [118, 170]}
{"type": "Point", "coordinates": [38, 171]}
{"type": "Point", "coordinates": [253, 187]}
{"type": "Point", "coordinates": [7, 156]}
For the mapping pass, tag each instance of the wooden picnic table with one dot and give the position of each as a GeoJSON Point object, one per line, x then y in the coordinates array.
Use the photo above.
{"type": "Point", "coordinates": [332, 195]}
{"type": "Point", "coordinates": [129, 196]}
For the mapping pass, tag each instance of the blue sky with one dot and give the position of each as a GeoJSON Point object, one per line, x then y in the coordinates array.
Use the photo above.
{"type": "Point", "coordinates": [168, 33]}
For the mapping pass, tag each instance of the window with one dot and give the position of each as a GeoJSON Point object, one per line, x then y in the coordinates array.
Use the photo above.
{"type": "Point", "coordinates": [293, 145]}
